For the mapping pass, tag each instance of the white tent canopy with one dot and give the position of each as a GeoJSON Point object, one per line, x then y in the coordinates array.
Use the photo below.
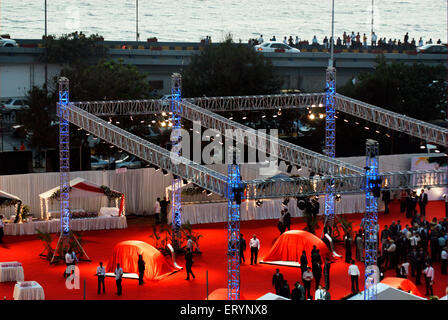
{"type": "Point", "coordinates": [386, 292]}
{"type": "Point", "coordinates": [79, 188]}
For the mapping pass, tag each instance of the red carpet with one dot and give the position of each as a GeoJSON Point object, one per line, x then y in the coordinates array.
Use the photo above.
{"type": "Point", "coordinates": [255, 280]}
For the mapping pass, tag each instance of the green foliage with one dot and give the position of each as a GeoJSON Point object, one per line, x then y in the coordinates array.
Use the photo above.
{"type": "Point", "coordinates": [311, 222]}
{"type": "Point", "coordinates": [227, 69]}
{"type": "Point", "coordinates": [47, 240]}
{"type": "Point", "coordinates": [26, 212]}
{"type": "Point", "coordinates": [163, 236]}
{"type": "Point", "coordinates": [38, 118]}
{"type": "Point", "coordinates": [107, 80]}
{"type": "Point", "coordinates": [110, 194]}
{"type": "Point", "coordinates": [74, 49]}
{"type": "Point", "coordinates": [402, 88]}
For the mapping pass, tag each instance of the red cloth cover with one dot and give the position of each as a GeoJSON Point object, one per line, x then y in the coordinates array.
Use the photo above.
{"type": "Point", "coordinates": [126, 254]}
{"type": "Point", "coordinates": [221, 294]}
{"type": "Point", "coordinates": [402, 284]}
{"type": "Point", "coordinates": [290, 244]}
{"type": "Point", "coordinates": [86, 187]}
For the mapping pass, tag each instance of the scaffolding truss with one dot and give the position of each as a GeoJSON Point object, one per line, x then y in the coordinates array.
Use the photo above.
{"type": "Point", "coordinates": [373, 187]}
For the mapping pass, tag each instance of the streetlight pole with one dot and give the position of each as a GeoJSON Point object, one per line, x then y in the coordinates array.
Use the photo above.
{"type": "Point", "coordinates": [371, 32]}
{"type": "Point", "coordinates": [332, 36]}
{"type": "Point", "coordinates": [45, 41]}
{"type": "Point", "coordinates": [136, 22]}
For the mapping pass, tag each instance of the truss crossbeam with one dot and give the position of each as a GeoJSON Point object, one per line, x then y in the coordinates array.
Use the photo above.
{"type": "Point", "coordinates": [197, 174]}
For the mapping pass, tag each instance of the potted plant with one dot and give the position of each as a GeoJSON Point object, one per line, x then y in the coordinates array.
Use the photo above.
{"type": "Point", "coordinates": [25, 213]}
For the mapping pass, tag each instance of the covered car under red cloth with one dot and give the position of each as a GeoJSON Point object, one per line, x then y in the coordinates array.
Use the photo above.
{"type": "Point", "coordinates": [289, 247]}
{"type": "Point", "coordinates": [126, 254]}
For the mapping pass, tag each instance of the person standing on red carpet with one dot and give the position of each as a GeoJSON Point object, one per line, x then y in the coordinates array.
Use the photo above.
{"type": "Point", "coordinates": [277, 281]}
{"type": "Point", "coordinates": [101, 274]}
{"type": "Point", "coordinates": [141, 269]}
{"type": "Point", "coordinates": [353, 272]}
{"type": "Point", "coordinates": [157, 210]}
{"type": "Point", "coordinates": [307, 278]}
{"type": "Point", "coordinates": [118, 277]}
{"type": "Point", "coordinates": [429, 278]}
{"type": "Point", "coordinates": [254, 245]}
{"type": "Point", "coordinates": [242, 248]}
{"type": "Point", "coordinates": [189, 264]}
{"type": "Point", "coordinates": [303, 263]}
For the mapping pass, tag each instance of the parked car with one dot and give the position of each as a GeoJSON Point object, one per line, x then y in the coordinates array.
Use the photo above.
{"type": "Point", "coordinates": [129, 162]}
{"type": "Point", "coordinates": [98, 164]}
{"type": "Point", "coordinates": [166, 100]}
{"type": "Point", "coordinates": [433, 48]}
{"type": "Point", "coordinates": [13, 105]}
{"type": "Point", "coordinates": [273, 46]}
{"type": "Point", "coordinates": [5, 42]}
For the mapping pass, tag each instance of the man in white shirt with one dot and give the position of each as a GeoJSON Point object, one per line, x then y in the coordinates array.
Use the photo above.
{"type": "Point", "coordinates": [118, 276]}
{"type": "Point", "coordinates": [374, 38]}
{"type": "Point", "coordinates": [420, 42]}
{"type": "Point", "coordinates": [157, 210]}
{"type": "Point", "coordinates": [353, 272]}
{"type": "Point", "coordinates": [68, 263]}
{"type": "Point", "coordinates": [314, 42]}
{"type": "Point", "coordinates": [254, 245]}
{"type": "Point", "coordinates": [429, 279]}
{"type": "Point", "coordinates": [260, 40]}
{"type": "Point", "coordinates": [101, 274]}
{"type": "Point", "coordinates": [297, 40]}
{"type": "Point", "coordinates": [319, 294]}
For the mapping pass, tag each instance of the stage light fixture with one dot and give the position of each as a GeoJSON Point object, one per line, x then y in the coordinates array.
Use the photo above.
{"type": "Point", "coordinates": [185, 181]}
{"type": "Point", "coordinates": [289, 169]}
{"type": "Point", "coordinates": [164, 172]}
{"type": "Point", "coordinates": [209, 193]}
{"type": "Point", "coordinates": [299, 168]}
{"type": "Point", "coordinates": [337, 197]}
{"type": "Point", "coordinates": [259, 203]}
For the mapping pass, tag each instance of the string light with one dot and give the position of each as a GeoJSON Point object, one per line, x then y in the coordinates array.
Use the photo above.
{"type": "Point", "coordinates": [311, 116]}
{"type": "Point", "coordinates": [321, 116]}
{"type": "Point", "coordinates": [345, 120]}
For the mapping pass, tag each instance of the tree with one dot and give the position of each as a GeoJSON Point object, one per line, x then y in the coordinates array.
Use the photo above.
{"type": "Point", "coordinates": [227, 69]}
{"type": "Point", "coordinates": [74, 49]}
{"type": "Point", "coordinates": [413, 90]}
{"type": "Point", "coordinates": [402, 88]}
{"type": "Point", "coordinates": [107, 80]}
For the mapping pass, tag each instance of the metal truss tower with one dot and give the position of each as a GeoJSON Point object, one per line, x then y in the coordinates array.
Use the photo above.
{"type": "Point", "coordinates": [176, 109]}
{"type": "Point", "coordinates": [373, 187]}
{"type": "Point", "coordinates": [64, 172]}
{"type": "Point", "coordinates": [64, 155]}
{"type": "Point", "coordinates": [330, 136]}
{"type": "Point", "coordinates": [235, 192]}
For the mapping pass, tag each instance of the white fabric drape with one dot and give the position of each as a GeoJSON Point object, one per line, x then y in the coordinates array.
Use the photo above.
{"type": "Point", "coordinates": [11, 273]}
{"type": "Point", "coordinates": [34, 292]}
{"type": "Point", "coordinates": [270, 209]}
{"type": "Point", "coordinates": [53, 226]}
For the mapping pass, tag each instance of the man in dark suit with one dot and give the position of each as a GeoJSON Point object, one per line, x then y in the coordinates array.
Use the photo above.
{"type": "Point", "coordinates": [164, 210]}
{"type": "Point", "coordinates": [326, 294]}
{"type": "Point", "coordinates": [386, 199]}
{"type": "Point", "coordinates": [422, 202]}
{"type": "Point", "coordinates": [242, 248]}
{"type": "Point", "coordinates": [298, 293]}
{"type": "Point", "coordinates": [277, 281]}
{"type": "Point", "coordinates": [285, 291]}
{"type": "Point", "coordinates": [287, 219]}
{"type": "Point", "coordinates": [189, 264]}
{"type": "Point", "coordinates": [303, 263]}
{"type": "Point", "coordinates": [317, 271]}
{"type": "Point", "coordinates": [141, 269]}
{"type": "Point", "coordinates": [327, 266]}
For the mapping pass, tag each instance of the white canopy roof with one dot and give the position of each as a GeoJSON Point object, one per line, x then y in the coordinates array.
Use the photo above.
{"type": "Point", "coordinates": [386, 292]}
{"type": "Point", "coordinates": [4, 194]}
{"type": "Point", "coordinates": [75, 192]}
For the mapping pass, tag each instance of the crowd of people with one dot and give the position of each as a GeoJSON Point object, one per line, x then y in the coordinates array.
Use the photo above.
{"type": "Point", "coordinates": [352, 41]}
